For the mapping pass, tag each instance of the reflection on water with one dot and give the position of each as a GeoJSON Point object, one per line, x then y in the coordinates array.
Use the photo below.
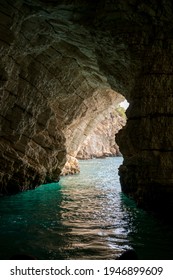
{"type": "Point", "coordinates": [96, 218]}
{"type": "Point", "coordinates": [83, 217]}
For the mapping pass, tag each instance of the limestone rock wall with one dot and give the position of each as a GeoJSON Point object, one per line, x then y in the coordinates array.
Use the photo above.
{"type": "Point", "coordinates": [71, 166]}
{"type": "Point", "coordinates": [101, 141]}
{"type": "Point", "coordinates": [50, 82]}
{"type": "Point", "coordinates": [63, 64]}
{"type": "Point", "coordinates": [98, 106]}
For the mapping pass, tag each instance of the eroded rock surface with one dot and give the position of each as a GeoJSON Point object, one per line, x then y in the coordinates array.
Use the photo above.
{"type": "Point", "coordinates": [50, 82]}
{"type": "Point", "coordinates": [101, 141]}
{"type": "Point", "coordinates": [63, 64]}
{"type": "Point", "coordinates": [71, 166]}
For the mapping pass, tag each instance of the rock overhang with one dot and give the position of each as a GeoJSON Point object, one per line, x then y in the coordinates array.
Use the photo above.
{"type": "Point", "coordinates": [58, 61]}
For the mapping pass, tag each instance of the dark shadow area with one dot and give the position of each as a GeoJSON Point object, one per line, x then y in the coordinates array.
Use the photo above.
{"type": "Point", "coordinates": [149, 235]}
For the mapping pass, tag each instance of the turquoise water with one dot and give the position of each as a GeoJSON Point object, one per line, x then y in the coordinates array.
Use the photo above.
{"type": "Point", "coordinates": [82, 217]}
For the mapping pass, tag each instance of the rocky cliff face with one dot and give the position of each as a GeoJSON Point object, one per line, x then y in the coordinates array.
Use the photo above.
{"type": "Point", "coordinates": [101, 141]}
{"type": "Point", "coordinates": [63, 64]}
{"type": "Point", "coordinates": [71, 166]}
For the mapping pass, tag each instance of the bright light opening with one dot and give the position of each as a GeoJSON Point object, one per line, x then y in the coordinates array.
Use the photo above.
{"type": "Point", "coordinates": [124, 104]}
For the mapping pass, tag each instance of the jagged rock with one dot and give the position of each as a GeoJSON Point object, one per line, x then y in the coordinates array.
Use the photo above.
{"type": "Point", "coordinates": [63, 64]}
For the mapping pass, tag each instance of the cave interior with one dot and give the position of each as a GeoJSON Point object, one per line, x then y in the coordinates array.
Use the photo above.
{"type": "Point", "coordinates": [63, 64]}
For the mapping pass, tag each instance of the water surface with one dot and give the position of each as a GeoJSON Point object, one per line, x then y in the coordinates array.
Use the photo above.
{"type": "Point", "coordinates": [82, 217]}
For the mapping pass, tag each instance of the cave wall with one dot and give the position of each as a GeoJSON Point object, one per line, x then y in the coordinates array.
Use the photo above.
{"type": "Point", "coordinates": [101, 142]}
{"type": "Point", "coordinates": [50, 82]}
{"type": "Point", "coordinates": [65, 62]}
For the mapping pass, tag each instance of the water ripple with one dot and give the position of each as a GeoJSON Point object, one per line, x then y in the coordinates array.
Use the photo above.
{"type": "Point", "coordinates": [83, 217]}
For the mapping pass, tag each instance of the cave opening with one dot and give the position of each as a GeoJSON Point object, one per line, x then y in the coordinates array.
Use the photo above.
{"type": "Point", "coordinates": [95, 139]}
{"type": "Point", "coordinates": [62, 64]}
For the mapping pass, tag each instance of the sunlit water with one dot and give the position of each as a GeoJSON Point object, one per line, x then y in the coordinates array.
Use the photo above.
{"type": "Point", "coordinates": [82, 217]}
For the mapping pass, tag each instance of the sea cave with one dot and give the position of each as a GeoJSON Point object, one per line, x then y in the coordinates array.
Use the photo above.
{"type": "Point", "coordinates": [65, 66]}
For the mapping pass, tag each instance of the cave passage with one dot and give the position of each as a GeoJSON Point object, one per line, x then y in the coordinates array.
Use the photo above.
{"type": "Point", "coordinates": [62, 65]}
{"type": "Point", "coordinates": [95, 139]}
{"type": "Point", "coordinates": [82, 217]}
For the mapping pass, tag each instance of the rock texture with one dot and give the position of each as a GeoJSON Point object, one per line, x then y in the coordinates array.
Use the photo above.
{"type": "Point", "coordinates": [50, 82]}
{"type": "Point", "coordinates": [63, 64]}
{"type": "Point", "coordinates": [71, 166]}
{"type": "Point", "coordinates": [101, 141]}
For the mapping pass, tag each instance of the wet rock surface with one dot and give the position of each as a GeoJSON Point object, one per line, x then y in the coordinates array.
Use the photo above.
{"type": "Point", "coordinates": [64, 63]}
